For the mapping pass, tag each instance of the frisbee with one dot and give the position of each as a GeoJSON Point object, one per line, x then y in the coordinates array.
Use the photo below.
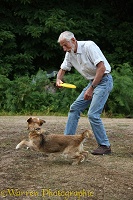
{"type": "Point", "coordinates": [68, 85]}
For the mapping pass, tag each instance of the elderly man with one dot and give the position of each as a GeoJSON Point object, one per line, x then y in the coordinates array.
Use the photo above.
{"type": "Point", "coordinates": [87, 58]}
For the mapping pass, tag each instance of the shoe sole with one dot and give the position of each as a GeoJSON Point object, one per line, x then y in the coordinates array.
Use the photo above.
{"type": "Point", "coordinates": [101, 154]}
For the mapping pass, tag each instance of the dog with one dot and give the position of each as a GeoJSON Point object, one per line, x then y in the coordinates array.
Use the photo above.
{"type": "Point", "coordinates": [71, 146]}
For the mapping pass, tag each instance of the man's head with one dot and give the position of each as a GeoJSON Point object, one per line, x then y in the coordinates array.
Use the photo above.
{"type": "Point", "coordinates": [68, 41]}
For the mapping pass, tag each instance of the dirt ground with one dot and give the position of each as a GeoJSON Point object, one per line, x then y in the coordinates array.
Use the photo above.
{"type": "Point", "coordinates": [26, 174]}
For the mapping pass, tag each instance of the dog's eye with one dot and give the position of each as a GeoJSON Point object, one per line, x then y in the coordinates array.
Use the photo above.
{"type": "Point", "coordinates": [37, 129]}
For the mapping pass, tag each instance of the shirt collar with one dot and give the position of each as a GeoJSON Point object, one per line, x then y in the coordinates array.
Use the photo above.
{"type": "Point", "coordinates": [79, 51]}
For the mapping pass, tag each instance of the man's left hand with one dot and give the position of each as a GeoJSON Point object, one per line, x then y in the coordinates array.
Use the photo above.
{"type": "Point", "coordinates": [88, 94]}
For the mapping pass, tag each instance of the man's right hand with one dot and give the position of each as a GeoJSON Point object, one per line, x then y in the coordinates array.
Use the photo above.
{"type": "Point", "coordinates": [60, 75]}
{"type": "Point", "coordinates": [58, 82]}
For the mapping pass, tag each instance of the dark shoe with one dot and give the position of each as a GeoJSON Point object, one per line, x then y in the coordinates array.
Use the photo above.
{"type": "Point", "coordinates": [101, 150]}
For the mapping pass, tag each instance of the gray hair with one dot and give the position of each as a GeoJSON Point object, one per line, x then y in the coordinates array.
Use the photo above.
{"type": "Point", "coordinates": [66, 35]}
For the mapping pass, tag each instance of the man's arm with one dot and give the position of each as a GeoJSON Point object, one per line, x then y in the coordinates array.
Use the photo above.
{"type": "Point", "coordinates": [60, 76]}
{"type": "Point", "coordinates": [99, 74]}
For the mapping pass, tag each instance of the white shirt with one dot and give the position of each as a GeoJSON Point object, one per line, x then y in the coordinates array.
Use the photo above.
{"type": "Point", "coordinates": [86, 58]}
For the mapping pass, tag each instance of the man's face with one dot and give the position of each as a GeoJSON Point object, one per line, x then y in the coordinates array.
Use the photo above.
{"type": "Point", "coordinates": [68, 46]}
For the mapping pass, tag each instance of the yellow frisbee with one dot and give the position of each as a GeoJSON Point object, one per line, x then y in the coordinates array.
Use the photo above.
{"type": "Point", "coordinates": [68, 85]}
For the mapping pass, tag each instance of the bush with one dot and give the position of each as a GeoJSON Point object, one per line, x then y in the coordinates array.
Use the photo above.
{"type": "Point", "coordinates": [27, 94]}
{"type": "Point", "coordinates": [121, 98]}
{"type": "Point", "coordinates": [37, 94]}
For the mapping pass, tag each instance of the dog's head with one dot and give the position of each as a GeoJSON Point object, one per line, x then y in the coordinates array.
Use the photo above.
{"type": "Point", "coordinates": [35, 123]}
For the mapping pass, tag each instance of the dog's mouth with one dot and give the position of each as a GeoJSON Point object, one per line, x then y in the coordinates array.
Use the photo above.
{"type": "Point", "coordinates": [34, 129]}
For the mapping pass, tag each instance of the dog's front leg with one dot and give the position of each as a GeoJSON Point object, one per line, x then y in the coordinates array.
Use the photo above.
{"type": "Point", "coordinates": [78, 159]}
{"type": "Point", "coordinates": [85, 153]}
{"type": "Point", "coordinates": [22, 143]}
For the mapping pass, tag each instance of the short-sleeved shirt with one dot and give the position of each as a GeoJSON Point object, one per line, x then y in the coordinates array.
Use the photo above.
{"type": "Point", "coordinates": [85, 60]}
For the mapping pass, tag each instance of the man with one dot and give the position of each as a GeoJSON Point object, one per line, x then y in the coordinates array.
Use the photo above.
{"type": "Point", "coordinates": [87, 58]}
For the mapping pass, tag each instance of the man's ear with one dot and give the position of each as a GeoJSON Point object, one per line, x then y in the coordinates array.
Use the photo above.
{"type": "Point", "coordinates": [73, 39]}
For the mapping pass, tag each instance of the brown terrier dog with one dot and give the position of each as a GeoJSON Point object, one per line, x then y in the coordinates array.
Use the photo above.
{"type": "Point", "coordinates": [71, 146]}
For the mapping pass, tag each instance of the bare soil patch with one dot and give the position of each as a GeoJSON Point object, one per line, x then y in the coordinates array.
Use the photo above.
{"type": "Point", "coordinates": [26, 174]}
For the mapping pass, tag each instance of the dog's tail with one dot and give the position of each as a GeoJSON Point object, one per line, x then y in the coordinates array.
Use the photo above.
{"type": "Point", "coordinates": [87, 134]}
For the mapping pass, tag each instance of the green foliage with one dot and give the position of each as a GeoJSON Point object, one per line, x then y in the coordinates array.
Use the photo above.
{"type": "Point", "coordinates": [121, 43]}
{"type": "Point", "coordinates": [28, 94]}
{"type": "Point", "coordinates": [29, 32]}
{"type": "Point", "coordinates": [121, 99]}
{"type": "Point", "coordinates": [4, 85]}
{"type": "Point", "coordinates": [37, 94]}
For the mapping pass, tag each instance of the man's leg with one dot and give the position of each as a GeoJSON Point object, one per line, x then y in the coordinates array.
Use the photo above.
{"type": "Point", "coordinates": [99, 99]}
{"type": "Point", "coordinates": [76, 108]}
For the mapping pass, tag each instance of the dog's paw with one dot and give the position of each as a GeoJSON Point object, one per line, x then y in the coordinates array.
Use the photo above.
{"type": "Point", "coordinates": [75, 163]}
{"type": "Point", "coordinates": [17, 147]}
{"type": "Point", "coordinates": [82, 158]}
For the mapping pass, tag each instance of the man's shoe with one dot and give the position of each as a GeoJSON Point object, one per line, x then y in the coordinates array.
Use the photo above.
{"type": "Point", "coordinates": [101, 150]}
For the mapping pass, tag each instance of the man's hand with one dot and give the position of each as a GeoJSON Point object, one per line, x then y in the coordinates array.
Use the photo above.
{"type": "Point", "coordinates": [58, 82]}
{"type": "Point", "coordinates": [60, 75]}
{"type": "Point", "coordinates": [88, 94]}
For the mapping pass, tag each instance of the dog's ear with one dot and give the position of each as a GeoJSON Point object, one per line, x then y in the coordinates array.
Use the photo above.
{"type": "Point", "coordinates": [42, 121]}
{"type": "Point", "coordinates": [29, 120]}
